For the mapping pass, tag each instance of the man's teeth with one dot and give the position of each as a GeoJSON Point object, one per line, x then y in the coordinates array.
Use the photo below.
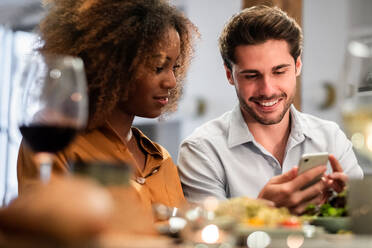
{"type": "Point", "coordinates": [268, 104]}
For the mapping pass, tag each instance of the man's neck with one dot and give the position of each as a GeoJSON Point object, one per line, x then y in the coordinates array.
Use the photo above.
{"type": "Point", "coordinates": [272, 137]}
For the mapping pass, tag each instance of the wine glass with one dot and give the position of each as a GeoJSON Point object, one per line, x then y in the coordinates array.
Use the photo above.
{"type": "Point", "coordinates": [357, 106]}
{"type": "Point", "coordinates": [53, 105]}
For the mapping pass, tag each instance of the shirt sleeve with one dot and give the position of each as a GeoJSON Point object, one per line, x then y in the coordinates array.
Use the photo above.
{"type": "Point", "coordinates": [346, 156]}
{"type": "Point", "coordinates": [201, 177]}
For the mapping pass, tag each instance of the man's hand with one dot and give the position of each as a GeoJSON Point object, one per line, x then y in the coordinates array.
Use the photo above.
{"type": "Point", "coordinates": [338, 179]}
{"type": "Point", "coordinates": [285, 190]}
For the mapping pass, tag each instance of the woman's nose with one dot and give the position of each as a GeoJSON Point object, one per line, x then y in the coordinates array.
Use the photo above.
{"type": "Point", "coordinates": [170, 81]}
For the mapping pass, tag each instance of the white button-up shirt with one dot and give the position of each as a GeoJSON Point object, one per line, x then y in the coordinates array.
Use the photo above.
{"type": "Point", "coordinates": [222, 159]}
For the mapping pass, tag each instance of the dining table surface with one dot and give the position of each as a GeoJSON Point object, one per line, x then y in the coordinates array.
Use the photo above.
{"type": "Point", "coordinates": [118, 241]}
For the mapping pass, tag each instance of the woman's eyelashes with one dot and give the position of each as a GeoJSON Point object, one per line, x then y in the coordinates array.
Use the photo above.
{"type": "Point", "coordinates": [175, 67]}
{"type": "Point", "coordinates": [160, 69]}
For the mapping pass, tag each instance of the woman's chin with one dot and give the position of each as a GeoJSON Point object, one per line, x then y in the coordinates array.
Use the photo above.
{"type": "Point", "coordinates": [149, 115]}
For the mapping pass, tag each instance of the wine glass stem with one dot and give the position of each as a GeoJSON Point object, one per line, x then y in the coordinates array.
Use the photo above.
{"type": "Point", "coordinates": [45, 161]}
{"type": "Point", "coordinates": [45, 171]}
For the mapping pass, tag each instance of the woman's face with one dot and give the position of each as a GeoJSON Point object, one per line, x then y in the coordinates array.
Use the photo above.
{"type": "Point", "coordinates": [155, 79]}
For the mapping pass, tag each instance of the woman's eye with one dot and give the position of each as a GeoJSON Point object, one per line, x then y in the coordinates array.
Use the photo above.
{"type": "Point", "coordinates": [159, 69]}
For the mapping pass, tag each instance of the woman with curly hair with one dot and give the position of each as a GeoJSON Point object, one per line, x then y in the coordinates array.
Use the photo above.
{"type": "Point", "coordinates": [136, 53]}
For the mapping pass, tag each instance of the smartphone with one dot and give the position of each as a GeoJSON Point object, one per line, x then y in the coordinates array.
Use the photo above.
{"type": "Point", "coordinates": [311, 160]}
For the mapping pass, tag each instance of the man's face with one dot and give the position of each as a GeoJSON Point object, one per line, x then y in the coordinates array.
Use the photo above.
{"type": "Point", "coordinates": [264, 77]}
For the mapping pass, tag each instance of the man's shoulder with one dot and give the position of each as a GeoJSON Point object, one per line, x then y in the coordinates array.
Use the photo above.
{"type": "Point", "coordinates": [314, 122]}
{"type": "Point", "coordinates": [313, 125]}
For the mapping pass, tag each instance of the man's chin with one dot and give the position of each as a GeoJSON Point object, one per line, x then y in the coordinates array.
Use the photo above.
{"type": "Point", "coordinates": [268, 120]}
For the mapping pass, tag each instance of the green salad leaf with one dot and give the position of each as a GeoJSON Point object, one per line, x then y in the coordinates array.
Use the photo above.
{"type": "Point", "coordinates": [334, 207]}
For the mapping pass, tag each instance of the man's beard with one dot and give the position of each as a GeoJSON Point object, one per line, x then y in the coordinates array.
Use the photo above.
{"type": "Point", "coordinates": [262, 120]}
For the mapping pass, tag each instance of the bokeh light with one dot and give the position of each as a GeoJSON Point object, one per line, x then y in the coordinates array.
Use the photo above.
{"type": "Point", "coordinates": [210, 234]}
{"type": "Point", "coordinates": [258, 239]}
{"type": "Point", "coordinates": [295, 240]}
{"type": "Point", "coordinates": [369, 137]}
{"type": "Point", "coordinates": [358, 140]}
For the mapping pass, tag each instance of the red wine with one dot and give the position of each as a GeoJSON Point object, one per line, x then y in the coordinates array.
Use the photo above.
{"type": "Point", "coordinates": [47, 138]}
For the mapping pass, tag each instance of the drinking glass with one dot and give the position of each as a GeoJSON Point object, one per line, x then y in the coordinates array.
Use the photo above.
{"type": "Point", "coordinates": [357, 104]}
{"type": "Point", "coordinates": [53, 106]}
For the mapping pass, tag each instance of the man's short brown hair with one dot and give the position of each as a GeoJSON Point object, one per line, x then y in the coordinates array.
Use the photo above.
{"type": "Point", "coordinates": [256, 25]}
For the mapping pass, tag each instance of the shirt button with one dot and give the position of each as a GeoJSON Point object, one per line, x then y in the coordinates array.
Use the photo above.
{"type": "Point", "coordinates": [140, 180]}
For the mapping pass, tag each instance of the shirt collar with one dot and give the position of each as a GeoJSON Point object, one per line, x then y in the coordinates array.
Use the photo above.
{"type": "Point", "coordinates": [148, 145]}
{"type": "Point", "coordinates": [240, 134]}
{"type": "Point", "coordinates": [299, 127]}
{"type": "Point", "coordinates": [238, 129]}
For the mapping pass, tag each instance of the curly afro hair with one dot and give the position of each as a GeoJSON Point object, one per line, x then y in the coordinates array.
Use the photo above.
{"type": "Point", "coordinates": [113, 37]}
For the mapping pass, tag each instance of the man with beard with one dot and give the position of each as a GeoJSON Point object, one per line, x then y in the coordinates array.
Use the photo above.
{"type": "Point", "coordinates": [254, 149]}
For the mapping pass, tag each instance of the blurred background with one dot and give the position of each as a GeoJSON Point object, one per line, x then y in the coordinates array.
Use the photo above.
{"type": "Point", "coordinates": [328, 27]}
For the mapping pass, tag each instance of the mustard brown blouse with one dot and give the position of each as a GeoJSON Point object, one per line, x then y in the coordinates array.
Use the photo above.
{"type": "Point", "coordinates": [157, 183]}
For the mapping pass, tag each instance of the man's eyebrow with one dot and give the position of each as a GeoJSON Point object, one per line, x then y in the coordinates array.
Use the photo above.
{"type": "Point", "coordinates": [280, 66]}
{"type": "Point", "coordinates": [248, 71]}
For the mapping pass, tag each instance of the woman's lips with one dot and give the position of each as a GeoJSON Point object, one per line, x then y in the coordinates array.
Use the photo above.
{"type": "Point", "coordinates": [162, 100]}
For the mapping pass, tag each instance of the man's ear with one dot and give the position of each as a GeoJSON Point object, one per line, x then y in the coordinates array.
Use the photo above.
{"type": "Point", "coordinates": [229, 75]}
{"type": "Point", "coordinates": [298, 65]}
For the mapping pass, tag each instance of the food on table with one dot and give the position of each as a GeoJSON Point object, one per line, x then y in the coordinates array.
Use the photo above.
{"type": "Point", "coordinates": [334, 207]}
{"type": "Point", "coordinates": [257, 213]}
{"type": "Point", "coordinates": [332, 216]}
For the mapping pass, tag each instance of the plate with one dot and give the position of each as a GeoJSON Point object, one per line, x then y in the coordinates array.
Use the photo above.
{"type": "Point", "coordinates": [279, 236]}
{"type": "Point", "coordinates": [306, 230]}
{"type": "Point", "coordinates": [333, 224]}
